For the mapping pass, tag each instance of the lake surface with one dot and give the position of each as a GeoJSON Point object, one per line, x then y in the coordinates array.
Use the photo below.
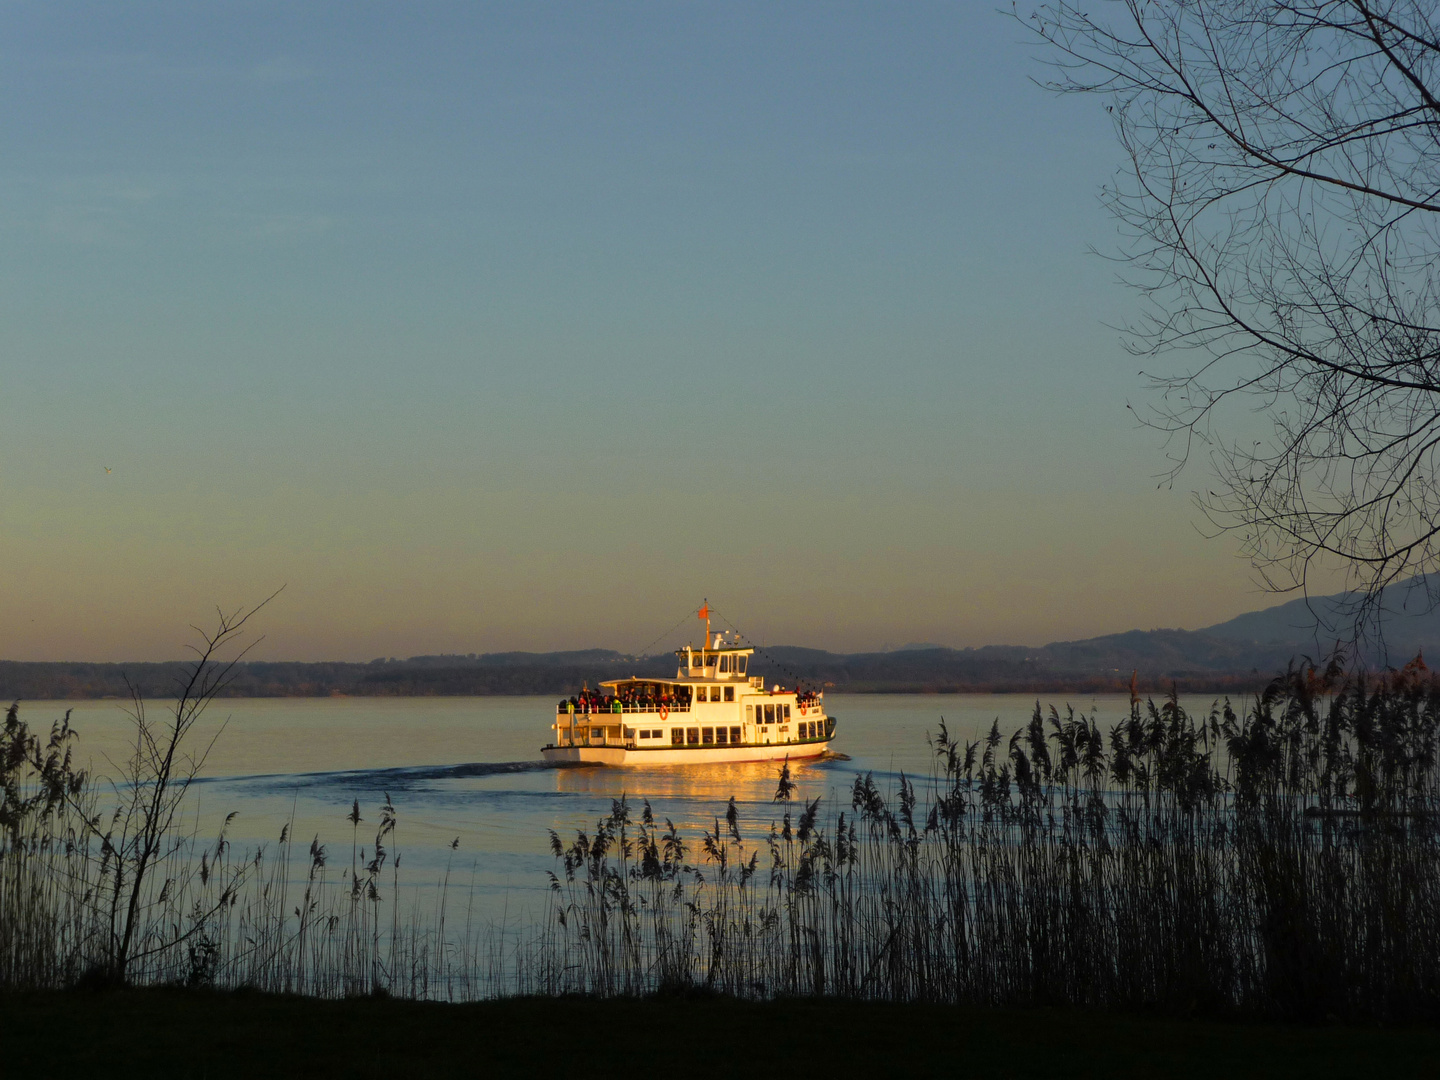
{"type": "Point", "coordinates": [469, 769]}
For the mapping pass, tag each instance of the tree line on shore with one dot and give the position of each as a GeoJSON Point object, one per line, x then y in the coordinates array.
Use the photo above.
{"type": "Point", "coordinates": [1158, 660]}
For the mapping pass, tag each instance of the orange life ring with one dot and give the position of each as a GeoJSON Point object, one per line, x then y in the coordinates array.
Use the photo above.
{"type": "Point", "coordinates": [802, 710]}
{"type": "Point", "coordinates": [664, 713]}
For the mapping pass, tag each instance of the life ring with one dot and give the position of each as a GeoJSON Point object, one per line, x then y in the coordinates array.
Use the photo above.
{"type": "Point", "coordinates": [664, 713]}
{"type": "Point", "coordinates": [802, 710]}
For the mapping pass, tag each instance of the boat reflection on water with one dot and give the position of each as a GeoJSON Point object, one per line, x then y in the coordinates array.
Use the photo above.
{"type": "Point", "coordinates": [701, 788]}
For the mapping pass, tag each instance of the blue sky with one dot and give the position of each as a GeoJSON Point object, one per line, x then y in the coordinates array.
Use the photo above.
{"type": "Point", "coordinates": [528, 326]}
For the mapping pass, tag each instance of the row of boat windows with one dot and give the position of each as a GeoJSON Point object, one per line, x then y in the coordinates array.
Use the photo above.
{"type": "Point", "coordinates": [695, 736]}
{"type": "Point", "coordinates": [728, 664]}
{"type": "Point", "coordinates": [715, 693]}
{"type": "Point", "coordinates": [767, 714]}
{"type": "Point", "coordinates": [719, 736]}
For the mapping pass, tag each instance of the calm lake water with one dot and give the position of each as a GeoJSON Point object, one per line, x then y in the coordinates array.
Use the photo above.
{"type": "Point", "coordinates": [470, 769]}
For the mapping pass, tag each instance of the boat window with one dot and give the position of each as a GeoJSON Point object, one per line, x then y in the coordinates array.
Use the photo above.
{"type": "Point", "coordinates": [740, 662]}
{"type": "Point", "coordinates": [729, 693]}
{"type": "Point", "coordinates": [787, 711]}
{"type": "Point", "coordinates": [749, 714]}
{"type": "Point", "coordinates": [709, 659]}
{"type": "Point", "coordinates": [707, 735]}
{"type": "Point", "coordinates": [734, 734]}
{"type": "Point", "coordinates": [695, 659]}
{"type": "Point", "coordinates": [725, 664]}
{"type": "Point", "coordinates": [677, 736]}
{"type": "Point", "coordinates": [692, 736]}
{"type": "Point", "coordinates": [769, 714]}
{"type": "Point", "coordinates": [721, 735]}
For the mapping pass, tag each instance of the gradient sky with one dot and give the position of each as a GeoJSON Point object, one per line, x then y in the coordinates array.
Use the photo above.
{"type": "Point", "coordinates": [528, 326]}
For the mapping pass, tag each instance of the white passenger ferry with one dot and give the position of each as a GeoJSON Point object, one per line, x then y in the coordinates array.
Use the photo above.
{"type": "Point", "coordinates": [711, 711]}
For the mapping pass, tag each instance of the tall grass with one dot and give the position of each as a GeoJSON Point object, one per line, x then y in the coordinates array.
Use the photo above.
{"type": "Point", "coordinates": [1280, 861]}
{"type": "Point", "coordinates": [280, 919]}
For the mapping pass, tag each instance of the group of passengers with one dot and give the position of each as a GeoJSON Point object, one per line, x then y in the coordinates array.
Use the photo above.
{"type": "Point", "coordinates": [631, 696]}
{"type": "Point", "coordinates": [590, 701]}
{"type": "Point", "coordinates": [651, 696]}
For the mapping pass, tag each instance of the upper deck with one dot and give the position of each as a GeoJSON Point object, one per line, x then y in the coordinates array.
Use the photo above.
{"type": "Point", "coordinates": [715, 673]}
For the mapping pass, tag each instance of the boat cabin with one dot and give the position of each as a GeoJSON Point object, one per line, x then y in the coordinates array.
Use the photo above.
{"type": "Point", "coordinates": [721, 661]}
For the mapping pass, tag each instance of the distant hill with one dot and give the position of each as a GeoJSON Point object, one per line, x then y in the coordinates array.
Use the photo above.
{"type": "Point", "coordinates": [1405, 622]}
{"type": "Point", "coordinates": [495, 673]}
{"type": "Point", "coordinates": [1160, 658]}
{"type": "Point", "coordinates": [574, 658]}
{"type": "Point", "coordinates": [1237, 655]}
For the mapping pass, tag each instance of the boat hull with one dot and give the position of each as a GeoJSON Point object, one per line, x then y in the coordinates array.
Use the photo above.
{"type": "Point", "coordinates": [620, 755]}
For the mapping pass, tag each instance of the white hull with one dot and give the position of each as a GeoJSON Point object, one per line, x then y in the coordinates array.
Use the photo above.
{"type": "Point", "coordinates": [619, 755]}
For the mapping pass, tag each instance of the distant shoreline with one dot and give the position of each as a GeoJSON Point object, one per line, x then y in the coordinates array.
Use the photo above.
{"type": "Point", "coordinates": [940, 671]}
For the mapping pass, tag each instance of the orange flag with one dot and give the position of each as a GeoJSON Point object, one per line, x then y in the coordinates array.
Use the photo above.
{"type": "Point", "coordinates": [705, 612]}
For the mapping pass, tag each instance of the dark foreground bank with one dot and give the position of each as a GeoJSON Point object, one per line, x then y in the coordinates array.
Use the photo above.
{"type": "Point", "coordinates": [173, 1033]}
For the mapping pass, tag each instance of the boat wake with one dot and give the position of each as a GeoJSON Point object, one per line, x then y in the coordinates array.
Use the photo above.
{"type": "Point", "coordinates": [399, 778]}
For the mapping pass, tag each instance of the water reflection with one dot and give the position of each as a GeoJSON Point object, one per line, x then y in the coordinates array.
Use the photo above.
{"type": "Point", "coordinates": [748, 781]}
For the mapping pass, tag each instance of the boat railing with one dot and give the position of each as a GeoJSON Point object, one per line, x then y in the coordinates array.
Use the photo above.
{"type": "Point", "coordinates": [625, 710]}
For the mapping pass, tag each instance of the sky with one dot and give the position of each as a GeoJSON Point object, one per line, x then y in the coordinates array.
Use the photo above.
{"type": "Point", "coordinates": [485, 326]}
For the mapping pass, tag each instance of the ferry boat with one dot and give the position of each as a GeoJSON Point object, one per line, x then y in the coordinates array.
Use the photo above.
{"type": "Point", "coordinates": [711, 711]}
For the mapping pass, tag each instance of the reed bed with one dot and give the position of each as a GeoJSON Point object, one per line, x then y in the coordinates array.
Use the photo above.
{"type": "Point", "coordinates": [1280, 861]}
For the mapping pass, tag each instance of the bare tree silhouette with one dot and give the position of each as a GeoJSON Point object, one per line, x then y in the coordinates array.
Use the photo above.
{"type": "Point", "coordinates": [1281, 203]}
